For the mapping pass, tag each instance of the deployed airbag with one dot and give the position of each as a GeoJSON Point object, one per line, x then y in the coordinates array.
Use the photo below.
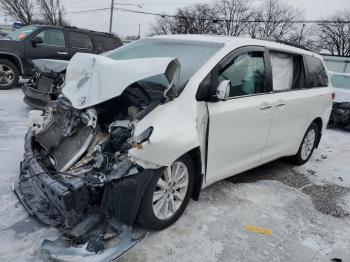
{"type": "Point", "coordinates": [282, 71]}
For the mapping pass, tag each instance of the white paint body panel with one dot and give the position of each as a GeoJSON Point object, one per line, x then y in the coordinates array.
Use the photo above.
{"type": "Point", "coordinates": [290, 120]}
{"type": "Point", "coordinates": [240, 130]}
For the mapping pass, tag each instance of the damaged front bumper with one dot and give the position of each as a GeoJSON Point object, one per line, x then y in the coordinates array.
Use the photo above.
{"type": "Point", "coordinates": [44, 87]}
{"type": "Point", "coordinates": [38, 99]}
{"type": "Point", "coordinates": [100, 230]}
{"type": "Point", "coordinates": [341, 115]}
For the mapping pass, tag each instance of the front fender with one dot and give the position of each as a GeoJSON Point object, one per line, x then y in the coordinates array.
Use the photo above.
{"type": "Point", "coordinates": [174, 134]}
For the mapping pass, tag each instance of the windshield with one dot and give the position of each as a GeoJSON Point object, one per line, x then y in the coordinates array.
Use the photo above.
{"type": "Point", "coordinates": [191, 54]}
{"type": "Point", "coordinates": [341, 81]}
{"type": "Point", "coordinates": [21, 33]}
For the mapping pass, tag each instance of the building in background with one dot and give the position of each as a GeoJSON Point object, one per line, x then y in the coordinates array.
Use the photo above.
{"type": "Point", "coordinates": [339, 64]}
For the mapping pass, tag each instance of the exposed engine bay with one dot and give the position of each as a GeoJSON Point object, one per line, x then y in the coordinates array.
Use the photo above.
{"type": "Point", "coordinates": [77, 176]}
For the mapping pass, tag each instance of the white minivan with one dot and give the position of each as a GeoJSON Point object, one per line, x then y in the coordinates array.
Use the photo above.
{"type": "Point", "coordinates": [140, 130]}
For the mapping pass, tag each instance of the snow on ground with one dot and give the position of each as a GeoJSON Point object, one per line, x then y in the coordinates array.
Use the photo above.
{"type": "Point", "coordinates": [306, 208]}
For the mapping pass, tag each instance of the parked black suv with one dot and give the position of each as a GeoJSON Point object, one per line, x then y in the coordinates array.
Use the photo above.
{"type": "Point", "coordinates": [46, 42]}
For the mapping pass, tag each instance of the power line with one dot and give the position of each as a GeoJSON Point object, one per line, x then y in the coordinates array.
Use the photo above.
{"type": "Point", "coordinates": [233, 20]}
{"type": "Point", "coordinates": [214, 20]}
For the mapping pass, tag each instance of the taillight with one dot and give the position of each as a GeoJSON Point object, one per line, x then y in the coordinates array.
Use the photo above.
{"type": "Point", "coordinates": [333, 95]}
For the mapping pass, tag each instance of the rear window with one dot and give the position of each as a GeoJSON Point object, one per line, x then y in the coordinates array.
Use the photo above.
{"type": "Point", "coordinates": [105, 43]}
{"type": "Point", "coordinates": [80, 40]}
{"type": "Point", "coordinates": [341, 81]}
{"type": "Point", "coordinates": [317, 72]}
{"type": "Point", "coordinates": [22, 33]}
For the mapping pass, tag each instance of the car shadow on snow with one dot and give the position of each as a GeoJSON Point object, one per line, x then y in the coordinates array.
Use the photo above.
{"type": "Point", "coordinates": [327, 198]}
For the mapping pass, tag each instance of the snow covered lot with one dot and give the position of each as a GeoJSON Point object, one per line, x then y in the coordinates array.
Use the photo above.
{"type": "Point", "coordinates": [307, 208]}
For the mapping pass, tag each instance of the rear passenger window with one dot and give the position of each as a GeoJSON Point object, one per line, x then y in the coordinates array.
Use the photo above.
{"type": "Point", "coordinates": [317, 72]}
{"type": "Point", "coordinates": [80, 40]}
{"type": "Point", "coordinates": [107, 43]}
{"type": "Point", "coordinates": [287, 71]}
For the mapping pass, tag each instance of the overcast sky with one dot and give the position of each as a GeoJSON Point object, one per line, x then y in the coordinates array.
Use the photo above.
{"type": "Point", "coordinates": [126, 23]}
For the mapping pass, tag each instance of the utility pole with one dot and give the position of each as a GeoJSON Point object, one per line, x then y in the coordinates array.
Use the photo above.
{"type": "Point", "coordinates": [139, 34]}
{"type": "Point", "coordinates": [111, 14]}
{"type": "Point", "coordinates": [111, 17]}
{"type": "Point", "coordinates": [301, 33]}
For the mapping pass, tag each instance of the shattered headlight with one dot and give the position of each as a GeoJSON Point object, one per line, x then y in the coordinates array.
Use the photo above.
{"type": "Point", "coordinates": [143, 137]}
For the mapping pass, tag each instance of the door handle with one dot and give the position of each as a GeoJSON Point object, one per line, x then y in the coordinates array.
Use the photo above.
{"type": "Point", "coordinates": [265, 106]}
{"type": "Point", "coordinates": [280, 103]}
{"type": "Point", "coordinates": [62, 53]}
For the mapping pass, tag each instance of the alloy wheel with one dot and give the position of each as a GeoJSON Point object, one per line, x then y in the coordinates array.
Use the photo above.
{"type": "Point", "coordinates": [170, 190]}
{"type": "Point", "coordinates": [7, 75]}
{"type": "Point", "coordinates": [308, 144]}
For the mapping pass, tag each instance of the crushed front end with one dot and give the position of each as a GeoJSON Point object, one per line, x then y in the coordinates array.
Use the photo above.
{"type": "Point", "coordinates": [45, 86]}
{"type": "Point", "coordinates": [77, 175]}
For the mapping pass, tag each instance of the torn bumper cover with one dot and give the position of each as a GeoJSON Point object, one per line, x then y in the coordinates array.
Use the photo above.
{"type": "Point", "coordinates": [44, 87]}
{"type": "Point", "coordinates": [88, 228]}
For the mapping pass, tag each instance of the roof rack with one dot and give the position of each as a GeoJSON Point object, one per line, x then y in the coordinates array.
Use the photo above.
{"type": "Point", "coordinates": [69, 26]}
{"type": "Point", "coordinates": [283, 42]}
{"type": "Point", "coordinates": [82, 29]}
{"type": "Point", "coordinates": [74, 27]}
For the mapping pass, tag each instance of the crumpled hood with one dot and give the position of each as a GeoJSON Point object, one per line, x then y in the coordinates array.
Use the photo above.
{"type": "Point", "coordinates": [92, 79]}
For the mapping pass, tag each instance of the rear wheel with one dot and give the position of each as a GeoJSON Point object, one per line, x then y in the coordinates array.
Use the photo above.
{"type": "Point", "coordinates": [167, 195]}
{"type": "Point", "coordinates": [307, 145]}
{"type": "Point", "coordinates": [9, 74]}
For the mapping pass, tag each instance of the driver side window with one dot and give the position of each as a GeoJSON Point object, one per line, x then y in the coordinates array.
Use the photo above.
{"type": "Point", "coordinates": [246, 73]}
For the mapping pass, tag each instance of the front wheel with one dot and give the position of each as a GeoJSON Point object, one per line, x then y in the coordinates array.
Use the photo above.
{"type": "Point", "coordinates": [9, 75]}
{"type": "Point", "coordinates": [307, 145]}
{"type": "Point", "coordinates": [167, 196]}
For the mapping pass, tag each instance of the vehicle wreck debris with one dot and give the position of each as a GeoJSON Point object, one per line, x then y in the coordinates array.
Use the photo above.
{"type": "Point", "coordinates": [76, 174]}
{"type": "Point", "coordinates": [341, 115]}
{"type": "Point", "coordinates": [42, 90]}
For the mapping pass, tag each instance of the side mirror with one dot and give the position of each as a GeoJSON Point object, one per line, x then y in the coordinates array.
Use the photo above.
{"type": "Point", "coordinates": [223, 90]}
{"type": "Point", "coordinates": [36, 41]}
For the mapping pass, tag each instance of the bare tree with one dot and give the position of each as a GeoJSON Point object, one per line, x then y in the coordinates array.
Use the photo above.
{"type": "Point", "coordinates": [163, 26]}
{"type": "Point", "coordinates": [52, 12]}
{"type": "Point", "coordinates": [274, 19]}
{"type": "Point", "coordinates": [196, 19]}
{"type": "Point", "coordinates": [20, 10]}
{"type": "Point", "coordinates": [306, 36]}
{"type": "Point", "coordinates": [232, 15]}
{"type": "Point", "coordinates": [335, 37]}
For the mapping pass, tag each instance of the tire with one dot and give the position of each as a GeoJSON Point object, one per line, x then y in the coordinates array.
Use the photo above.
{"type": "Point", "coordinates": [307, 145]}
{"type": "Point", "coordinates": [148, 216]}
{"type": "Point", "coordinates": [9, 74]}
